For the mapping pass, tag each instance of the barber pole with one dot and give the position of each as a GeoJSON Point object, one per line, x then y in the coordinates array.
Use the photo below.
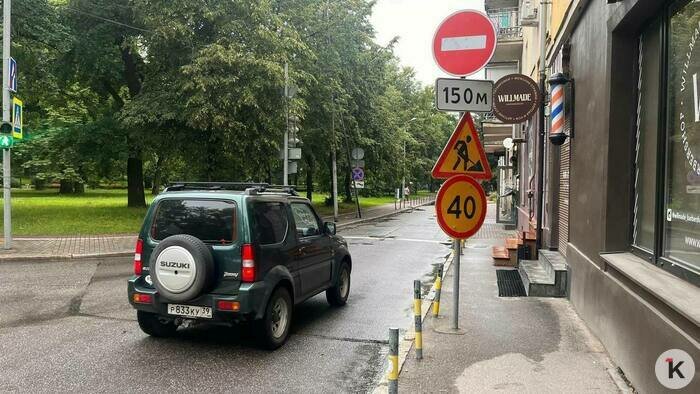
{"type": "Point", "coordinates": [556, 132]}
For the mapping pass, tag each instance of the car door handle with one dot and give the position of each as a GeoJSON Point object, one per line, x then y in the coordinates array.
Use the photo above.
{"type": "Point", "coordinates": [301, 250]}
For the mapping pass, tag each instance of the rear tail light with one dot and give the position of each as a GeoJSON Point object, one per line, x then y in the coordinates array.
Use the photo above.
{"type": "Point", "coordinates": [138, 265]}
{"type": "Point", "coordinates": [141, 298]}
{"type": "Point", "coordinates": [233, 306]}
{"type": "Point", "coordinates": [247, 263]}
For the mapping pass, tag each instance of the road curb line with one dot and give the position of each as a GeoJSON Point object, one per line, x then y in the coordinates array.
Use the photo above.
{"type": "Point", "coordinates": [63, 257]}
{"type": "Point", "coordinates": [383, 216]}
{"type": "Point", "coordinates": [407, 341]}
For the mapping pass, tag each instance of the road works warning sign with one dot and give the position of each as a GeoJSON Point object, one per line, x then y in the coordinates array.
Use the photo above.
{"type": "Point", "coordinates": [463, 154]}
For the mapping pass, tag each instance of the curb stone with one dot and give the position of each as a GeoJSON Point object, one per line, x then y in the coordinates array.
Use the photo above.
{"type": "Point", "coordinates": [406, 343]}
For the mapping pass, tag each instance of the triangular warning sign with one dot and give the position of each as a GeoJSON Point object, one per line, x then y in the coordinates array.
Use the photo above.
{"type": "Point", "coordinates": [463, 154]}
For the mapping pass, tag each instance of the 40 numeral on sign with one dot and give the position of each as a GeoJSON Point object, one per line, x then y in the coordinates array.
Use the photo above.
{"type": "Point", "coordinates": [461, 206]}
{"type": "Point", "coordinates": [469, 208]}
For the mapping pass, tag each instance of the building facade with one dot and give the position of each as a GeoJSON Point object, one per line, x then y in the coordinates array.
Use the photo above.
{"type": "Point", "coordinates": [622, 193]}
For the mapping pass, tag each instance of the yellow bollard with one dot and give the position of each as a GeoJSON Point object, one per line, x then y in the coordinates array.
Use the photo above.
{"type": "Point", "coordinates": [438, 290]}
{"type": "Point", "coordinates": [418, 316]}
{"type": "Point", "coordinates": [393, 373]}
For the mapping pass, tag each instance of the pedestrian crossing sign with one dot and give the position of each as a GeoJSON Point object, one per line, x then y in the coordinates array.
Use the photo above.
{"type": "Point", "coordinates": [463, 154]}
{"type": "Point", "coordinates": [17, 107]}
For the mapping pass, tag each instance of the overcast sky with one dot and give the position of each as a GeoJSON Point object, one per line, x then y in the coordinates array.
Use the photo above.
{"type": "Point", "coordinates": [415, 22]}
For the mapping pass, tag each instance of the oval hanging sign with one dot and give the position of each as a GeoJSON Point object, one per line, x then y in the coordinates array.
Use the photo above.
{"type": "Point", "coordinates": [516, 97]}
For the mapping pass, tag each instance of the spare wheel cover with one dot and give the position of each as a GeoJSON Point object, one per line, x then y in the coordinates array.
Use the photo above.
{"type": "Point", "coordinates": [176, 269]}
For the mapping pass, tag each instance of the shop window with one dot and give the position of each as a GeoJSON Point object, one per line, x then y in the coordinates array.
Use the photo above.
{"type": "Point", "coordinates": [666, 227]}
{"type": "Point", "coordinates": [646, 156]}
{"type": "Point", "coordinates": [682, 224]}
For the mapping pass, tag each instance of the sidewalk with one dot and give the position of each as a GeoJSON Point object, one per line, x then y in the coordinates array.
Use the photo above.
{"type": "Point", "coordinates": [95, 246]}
{"type": "Point", "coordinates": [517, 344]}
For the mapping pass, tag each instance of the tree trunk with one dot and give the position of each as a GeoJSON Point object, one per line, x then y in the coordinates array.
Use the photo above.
{"type": "Point", "coordinates": [346, 187]}
{"type": "Point", "coordinates": [78, 188]}
{"type": "Point", "coordinates": [309, 177]}
{"type": "Point", "coordinates": [155, 186]}
{"type": "Point", "coordinates": [134, 179]}
{"type": "Point", "coordinates": [66, 187]}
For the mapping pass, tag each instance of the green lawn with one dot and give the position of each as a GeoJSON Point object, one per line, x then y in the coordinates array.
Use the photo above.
{"type": "Point", "coordinates": [104, 211]}
{"type": "Point", "coordinates": [365, 202]}
{"type": "Point", "coordinates": [95, 212]}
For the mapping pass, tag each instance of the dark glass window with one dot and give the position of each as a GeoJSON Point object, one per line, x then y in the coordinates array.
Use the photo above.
{"type": "Point", "coordinates": [647, 137]}
{"type": "Point", "coordinates": [270, 222]}
{"type": "Point", "coordinates": [306, 220]}
{"type": "Point", "coordinates": [682, 205]}
{"type": "Point", "coordinates": [212, 221]}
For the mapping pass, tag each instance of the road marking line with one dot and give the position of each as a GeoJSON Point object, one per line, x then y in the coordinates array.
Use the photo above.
{"type": "Point", "coordinates": [463, 43]}
{"type": "Point", "coordinates": [394, 239]}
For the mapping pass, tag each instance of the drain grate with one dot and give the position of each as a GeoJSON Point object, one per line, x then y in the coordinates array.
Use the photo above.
{"type": "Point", "coordinates": [510, 284]}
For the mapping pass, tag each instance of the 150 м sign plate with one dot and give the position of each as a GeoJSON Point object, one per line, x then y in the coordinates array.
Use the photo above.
{"type": "Point", "coordinates": [461, 95]}
{"type": "Point", "coordinates": [460, 206]}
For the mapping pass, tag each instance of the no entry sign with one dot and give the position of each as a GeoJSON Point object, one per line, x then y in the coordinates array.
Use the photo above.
{"type": "Point", "coordinates": [464, 42]}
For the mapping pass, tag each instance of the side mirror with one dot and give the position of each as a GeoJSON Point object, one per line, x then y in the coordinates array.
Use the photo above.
{"type": "Point", "coordinates": [330, 228]}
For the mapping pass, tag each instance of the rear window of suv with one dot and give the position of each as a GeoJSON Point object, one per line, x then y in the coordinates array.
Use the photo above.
{"type": "Point", "coordinates": [212, 221]}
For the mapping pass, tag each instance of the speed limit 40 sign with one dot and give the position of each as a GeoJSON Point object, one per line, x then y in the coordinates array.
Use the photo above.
{"type": "Point", "coordinates": [461, 206]}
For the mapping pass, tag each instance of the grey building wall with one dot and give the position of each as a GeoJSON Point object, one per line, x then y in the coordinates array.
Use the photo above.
{"type": "Point", "coordinates": [633, 323]}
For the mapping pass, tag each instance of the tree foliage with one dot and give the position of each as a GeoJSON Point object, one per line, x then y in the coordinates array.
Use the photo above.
{"type": "Point", "coordinates": [193, 90]}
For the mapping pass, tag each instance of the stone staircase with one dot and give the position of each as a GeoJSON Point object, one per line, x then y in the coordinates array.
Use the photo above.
{"type": "Point", "coordinates": [545, 277]}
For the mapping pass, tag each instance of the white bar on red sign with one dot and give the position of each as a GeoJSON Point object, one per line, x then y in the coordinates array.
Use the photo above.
{"type": "Point", "coordinates": [463, 43]}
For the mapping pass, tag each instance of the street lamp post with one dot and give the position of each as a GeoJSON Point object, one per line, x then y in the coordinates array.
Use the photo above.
{"type": "Point", "coordinates": [6, 176]}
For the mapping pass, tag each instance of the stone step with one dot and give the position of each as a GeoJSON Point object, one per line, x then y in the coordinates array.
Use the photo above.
{"type": "Point", "coordinates": [556, 265]}
{"type": "Point", "coordinates": [540, 281]}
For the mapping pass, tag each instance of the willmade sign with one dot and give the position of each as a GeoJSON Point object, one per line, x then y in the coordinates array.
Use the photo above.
{"type": "Point", "coordinates": [516, 98]}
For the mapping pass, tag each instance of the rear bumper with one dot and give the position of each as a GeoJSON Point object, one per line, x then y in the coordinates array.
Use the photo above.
{"type": "Point", "coordinates": [250, 296]}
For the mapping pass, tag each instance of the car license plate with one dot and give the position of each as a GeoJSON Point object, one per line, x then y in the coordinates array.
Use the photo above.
{"type": "Point", "coordinates": [189, 311]}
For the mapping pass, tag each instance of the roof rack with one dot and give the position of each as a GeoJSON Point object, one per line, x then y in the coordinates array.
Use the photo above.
{"type": "Point", "coordinates": [247, 187]}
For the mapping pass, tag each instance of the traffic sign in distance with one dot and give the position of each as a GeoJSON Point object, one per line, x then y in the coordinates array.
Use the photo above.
{"type": "Point", "coordinates": [358, 153]}
{"type": "Point", "coordinates": [464, 42]}
{"type": "Point", "coordinates": [17, 118]}
{"type": "Point", "coordinates": [463, 154]}
{"type": "Point", "coordinates": [460, 206]}
{"type": "Point", "coordinates": [461, 95]}
{"type": "Point", "coordinates": [12, 65]}
{"type": "Point", "coordinates": [358, 174]}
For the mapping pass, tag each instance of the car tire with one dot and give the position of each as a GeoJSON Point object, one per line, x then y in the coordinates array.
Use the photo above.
{"type": "Point", "coordinates": [152, 325]}
{"type": "Point", "coordinates": [338, 294]}
{"type": "Point", "coordinates": [186, 249]}
{"type": "Point", "coordinates": [273, 329]}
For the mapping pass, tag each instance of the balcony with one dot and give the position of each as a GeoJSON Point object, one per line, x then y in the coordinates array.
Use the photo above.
{"type": "Point", "coordinates": [509, 32]}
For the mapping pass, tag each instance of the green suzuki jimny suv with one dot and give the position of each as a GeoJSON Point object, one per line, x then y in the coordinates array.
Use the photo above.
{"type": "Point", "coordinates": [229, 252]}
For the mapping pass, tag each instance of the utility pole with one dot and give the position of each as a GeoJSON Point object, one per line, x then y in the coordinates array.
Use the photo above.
{"type": "Point", "coordinates": [334, 163]}
{"type": "Point", "coordinates": [285, 156]}
{"type": "Point", "coordinates": [540, 135]}
{"type": "Point", "coordinates": [6, 174]}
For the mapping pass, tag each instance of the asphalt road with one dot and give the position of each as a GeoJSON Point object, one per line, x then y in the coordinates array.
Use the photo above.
{"type": "Point", "coordinates": [67, 326]}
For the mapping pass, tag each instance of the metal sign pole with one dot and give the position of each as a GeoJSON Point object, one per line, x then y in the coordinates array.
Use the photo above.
{"type": "Point", "coordinates": [455, 304]}
{"type": "Point", "coordinates": [285, 156]}
{"type": "Point", "coordinates": [7, 176]}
